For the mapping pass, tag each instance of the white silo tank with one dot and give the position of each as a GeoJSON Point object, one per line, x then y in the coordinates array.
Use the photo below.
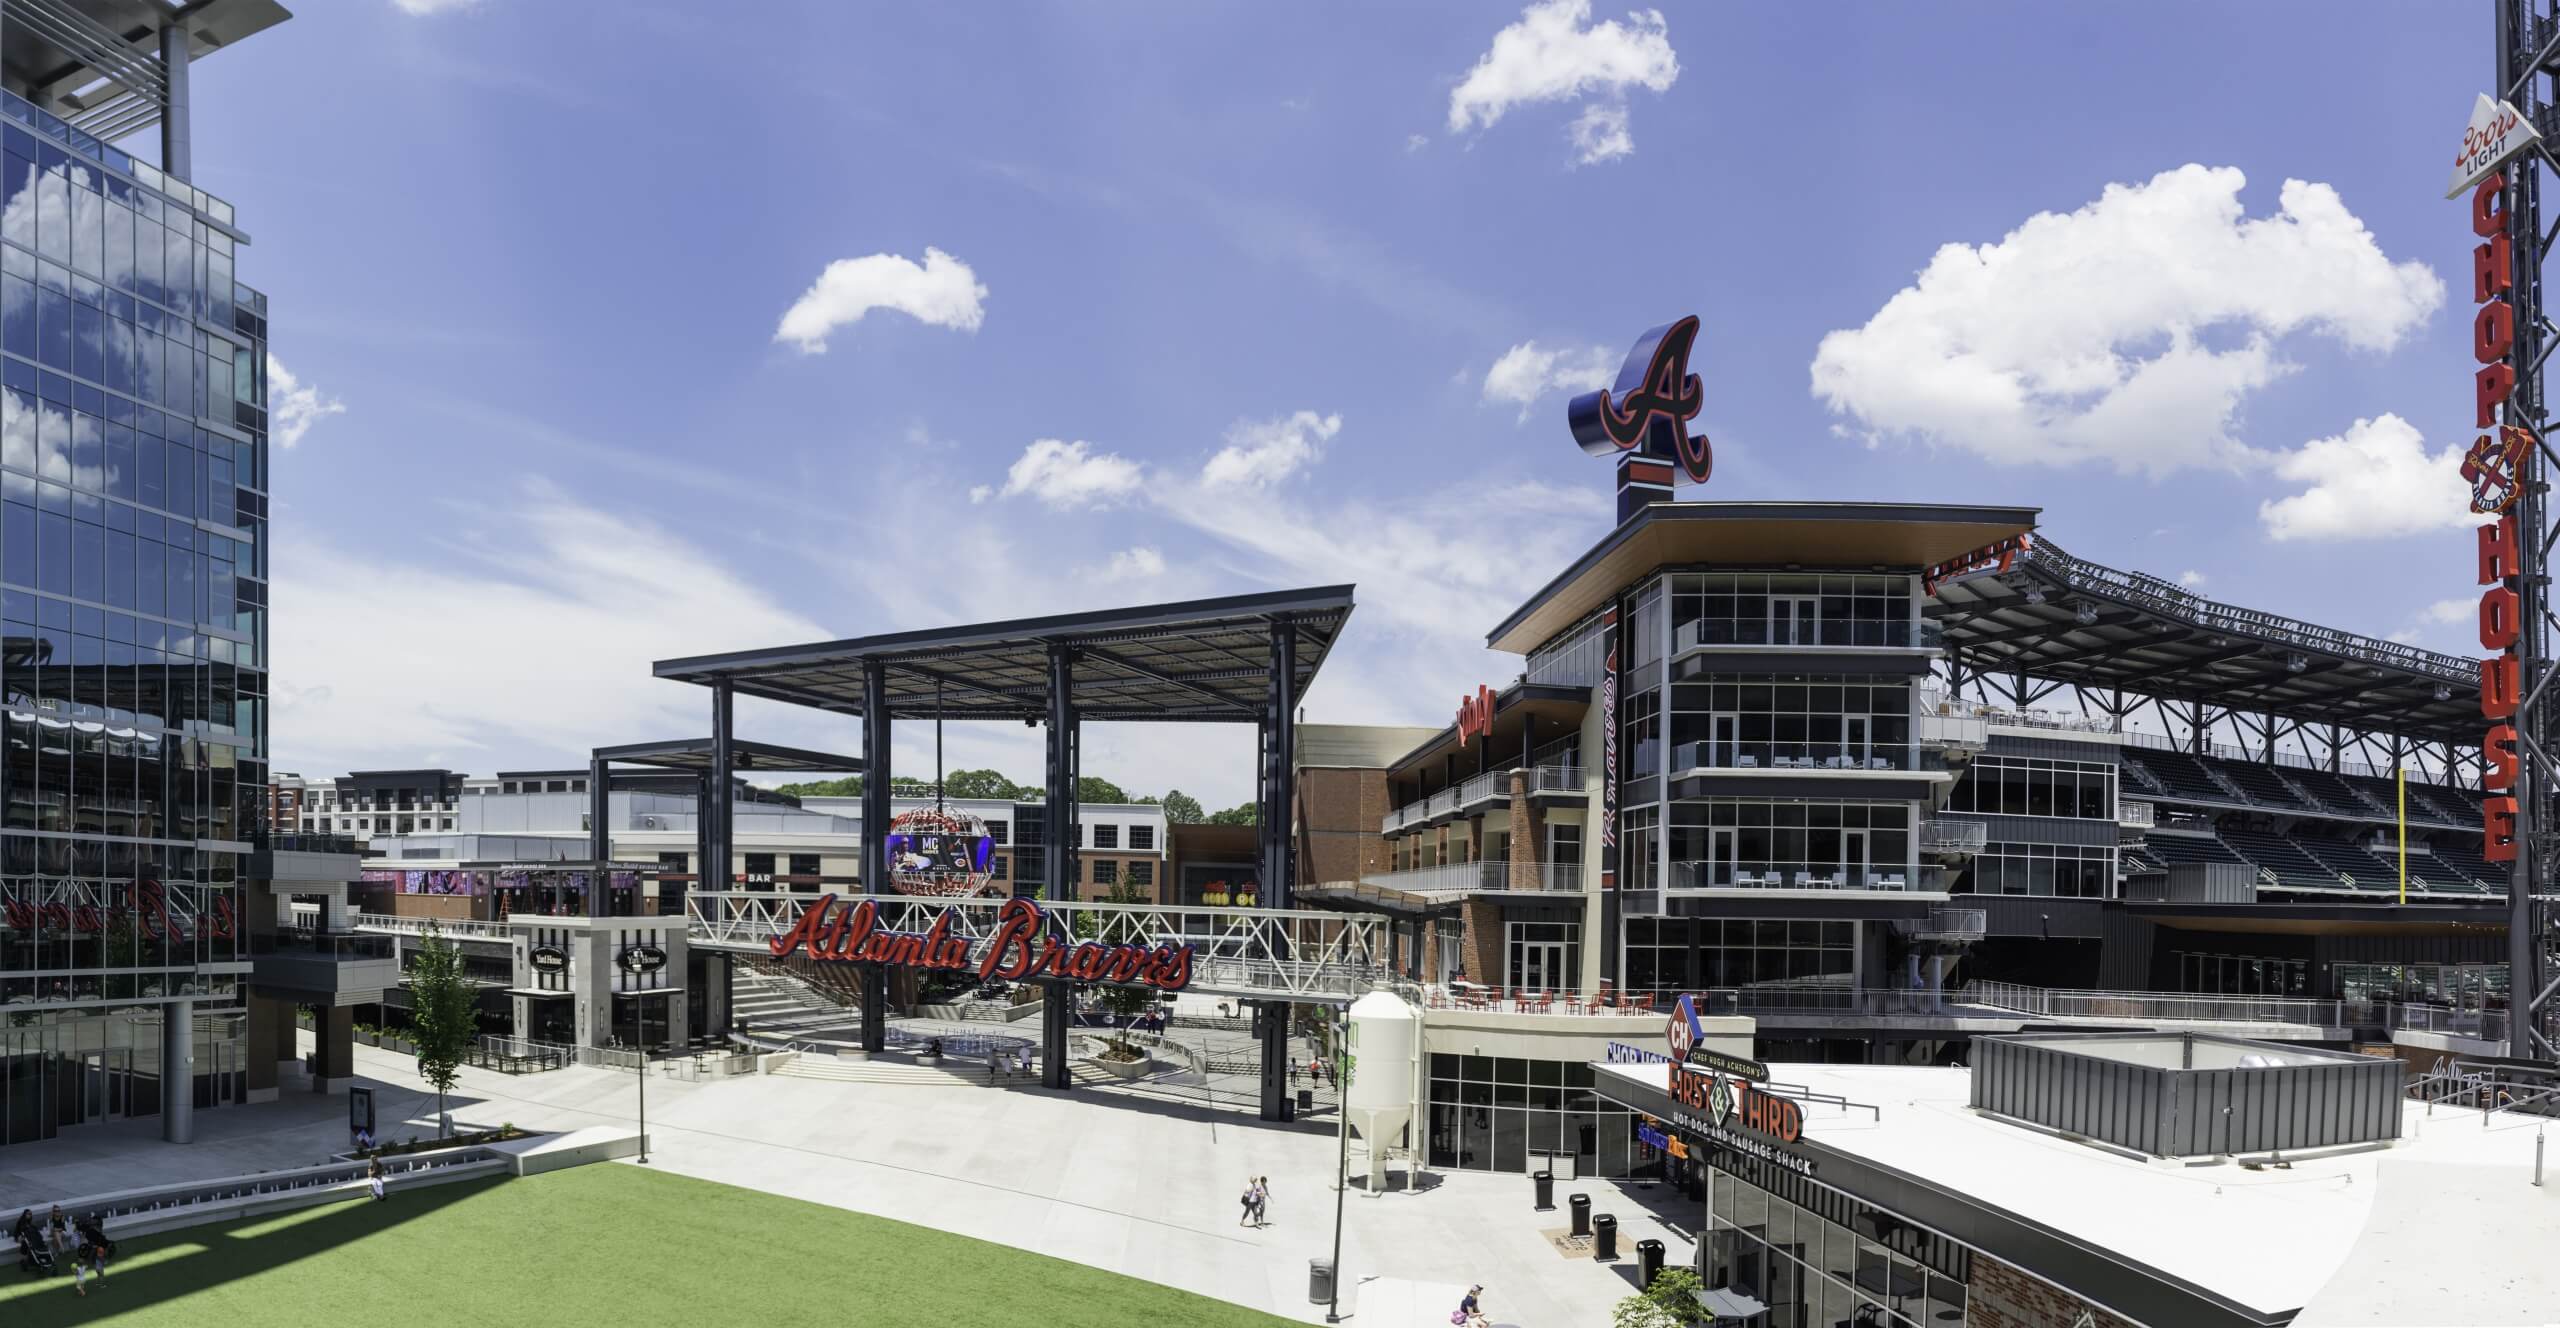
{"type": "Point", "coordinates": [1385, 1035]}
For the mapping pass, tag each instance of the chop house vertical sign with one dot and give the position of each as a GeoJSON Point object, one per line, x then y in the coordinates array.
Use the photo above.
{"type": "Point", "coordinates": [2494, 467]}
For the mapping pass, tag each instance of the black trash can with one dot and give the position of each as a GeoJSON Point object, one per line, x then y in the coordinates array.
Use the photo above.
{"type": "Point", "coordinates": [1306, 1099]}
{"type": "Point", "coordinates": [1581, 1205]}
{"type": "Point", "coordinates": [1648, 1262]}
{"type": "Point", "coordinates": [1604, 1237]}
{"type": "Point", "coordinates": [1320, 1281]}
{"type": "Point", "coordinates": [1546, 1182]}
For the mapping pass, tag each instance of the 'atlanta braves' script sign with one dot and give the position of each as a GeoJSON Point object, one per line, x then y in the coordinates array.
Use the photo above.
{"type": "Point", "coordinates": [1022, 945]}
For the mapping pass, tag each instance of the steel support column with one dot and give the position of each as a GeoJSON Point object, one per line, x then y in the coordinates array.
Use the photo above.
{"type": "Point", "coordinates": [716, 871]}
{"type": "Point", "coordinates": [1060, 863]}
{"type": "Point", "coordinates": [600, 839]}
{"type": "Point", "coordinates": [177, 134]}
{"type": "Point", "coordinates": [875, 838]}
{"type": "Point", "coordinates": [2524, 75]}
{"type": "Point", "coordinates": [1275, 774]}
{"type": "Point", "coordinates": [178, 1072]}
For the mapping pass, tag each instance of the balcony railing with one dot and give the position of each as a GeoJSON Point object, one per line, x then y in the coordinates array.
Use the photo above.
{"type": "Point", "coordinates": [1970, 731]}
{"type": "Point", "coordinates": [1788, 756]}
{"type": "Point", "coordinates": [2052, 1003]}
{"type": "Point", "coordinates": [400, 925]}
{"type": "Point", "coordinates": [1781, 633]}
{"type": "Point", "coordinates": [1491, 784]}
{"type": "Point", "coordinates": [1556, 779]}
{"type": "Point", "coordinates": [1453, 877]}
{"type": "Point", "coordinates": [1940, 705]}
{"type": "Point", "coordinates": [1799, 876]}
{"type": "Point", "coordinates": [2134, 814]}
{"type": "Point", "coordinates": [1953, 837]}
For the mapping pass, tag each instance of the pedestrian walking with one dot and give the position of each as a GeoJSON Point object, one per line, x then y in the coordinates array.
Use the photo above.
{"type": "Point", "coordinates": [1246, 1218]}
{"type": "Point", "coordinates": [1470, 1311]}
{"type": "Point", "coordinates": [1262, 1201]}
{"type": "Point", "coordinates": [374, 1179]}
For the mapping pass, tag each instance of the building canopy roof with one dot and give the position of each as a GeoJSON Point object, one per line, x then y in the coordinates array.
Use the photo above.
{"type": "Point", "coordinates": [1204, 660]}
{"type": "Point", "coordinates": [744, 757]}
{"type": "Point", "coordinates": [2064, 619]}
{"type": "Point", "coordinates": [1831, 536]}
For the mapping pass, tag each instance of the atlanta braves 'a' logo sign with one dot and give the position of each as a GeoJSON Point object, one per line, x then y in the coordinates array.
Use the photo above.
{"type": "Point", "coordinates": [2491, 466]}
{"type": "Point", "coordinates": [1651, 404]}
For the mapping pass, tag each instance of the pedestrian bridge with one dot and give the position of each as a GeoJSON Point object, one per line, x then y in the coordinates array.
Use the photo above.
{"type": "Point", "coordinates": [1304, 956]}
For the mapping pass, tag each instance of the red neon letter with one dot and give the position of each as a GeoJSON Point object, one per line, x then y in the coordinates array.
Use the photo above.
{"type": "Point", "coordinates": [809, 930]}
{"type": "Point", "coordinates": [2498, 550]}
{"type": "Point", "coordinates": [2497, 618]}
{"type": "Point", "coordinates": [2489, 206]}
{"type": "Point", "coordinates": [2493, 332]}
{"type": "Point", "coordinates": [2498, 748]}
{"type": "Point", "coordinates": [1010, 952]}
{"type": "Point", "coordinates": [2491, 267]}
{"type": "Point", "coordinates": [2498, 829]}
{"type": "Point", "coordinates": [2498, 691]}
{"type": "Point", "coordinates": [2489, 389]}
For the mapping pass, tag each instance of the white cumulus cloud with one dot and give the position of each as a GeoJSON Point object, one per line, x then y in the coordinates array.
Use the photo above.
{"type": "Point", "coordinates": [1556, 53]}
{"type": "Point", "coordinates": [1136, 564]}
{"type": "Point", "coordinates": [1528, 372]}
{"type": "Point", "coordinates": [1600, 133]}
{"type": "Point", "coordinates": [1261, 453]}
{"type": "Point", "coordinates": [293, 406]}
{"type": "Point", "coordinates": [2375, 479]}
{"type": "Point", "coordinates": [1063, 474]}
{"type": "Point", "coordinates": [941, 291]}
{"type": "Point", "coordinates": [2191, 579]}
{"type": "Point", "coordinates": [2453, 610]}
{"type": "Point", "coordinates": [2128, 332]}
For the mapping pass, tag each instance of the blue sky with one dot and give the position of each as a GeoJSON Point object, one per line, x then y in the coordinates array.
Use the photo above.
{"type": "Point", "coordinates": [1236, 296]}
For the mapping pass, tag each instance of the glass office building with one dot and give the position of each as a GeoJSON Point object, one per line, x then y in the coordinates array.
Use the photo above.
{"type": "Point", "coordinates": [133, 581]}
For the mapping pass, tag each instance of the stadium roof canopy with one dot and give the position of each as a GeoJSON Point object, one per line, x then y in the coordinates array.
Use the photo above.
{"type": "Point", "coordinates": [745, 757]}
{"type": "Point", "coordinates": [1202, 660]}
{"type": "Point", "coordinates": [2066, 620]}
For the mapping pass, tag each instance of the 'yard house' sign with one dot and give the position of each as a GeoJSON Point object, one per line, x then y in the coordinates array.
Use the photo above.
{"type": "Point", "coordinates": [642, 960]}
{"type": "Point", "coordinates": [547, 958]}
{"type": "Point", "coordinates": [1022, 945]}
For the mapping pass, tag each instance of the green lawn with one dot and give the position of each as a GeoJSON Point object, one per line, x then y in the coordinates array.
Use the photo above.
{"type": "Point", "coordinates": [598, 1244]}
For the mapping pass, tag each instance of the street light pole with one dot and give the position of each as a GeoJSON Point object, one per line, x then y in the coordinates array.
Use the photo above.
{"type": "Point", "coordinates": [1341, 1164]}
{"type": "Point", "coordinates": [644, 1106]}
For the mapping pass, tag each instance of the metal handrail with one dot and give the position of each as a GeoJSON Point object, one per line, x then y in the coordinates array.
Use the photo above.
{"type": "Point", "coordinates": [402, 925]}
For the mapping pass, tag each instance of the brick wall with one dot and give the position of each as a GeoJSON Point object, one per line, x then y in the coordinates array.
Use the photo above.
{"type": "Point", "coordinates": [2004, 1296]}
{"type": "Point", "coordinates": [1340, 811]}
{"type": "Point", "coordinates": [1482, 946]}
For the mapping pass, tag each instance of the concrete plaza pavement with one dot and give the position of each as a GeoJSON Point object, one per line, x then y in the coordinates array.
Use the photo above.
{"type": "Point", "coordinates": [1143, 1187]}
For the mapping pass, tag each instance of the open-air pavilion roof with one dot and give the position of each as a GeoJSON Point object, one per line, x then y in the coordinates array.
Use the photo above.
{"type": "Point", "coordinates": [744, 757]}
{"type": "Point", "coordinates": [2066, 620]}
{"type": "Point", "coordinates": [1204, 660]}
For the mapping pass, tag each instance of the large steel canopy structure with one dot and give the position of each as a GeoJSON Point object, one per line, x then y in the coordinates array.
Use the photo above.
{"type": "Point", "coordinates": [2053, 621]}
{"type": "Point", "coordinates": [697, 756]}
{"type": "Point", "coordinates": [1239, 659]}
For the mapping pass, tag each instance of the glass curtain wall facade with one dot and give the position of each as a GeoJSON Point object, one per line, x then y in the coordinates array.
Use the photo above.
{"type": "Point", "coordinates": [1497, 1113]}
{"type": "Point", "coordinates": [133, 633]}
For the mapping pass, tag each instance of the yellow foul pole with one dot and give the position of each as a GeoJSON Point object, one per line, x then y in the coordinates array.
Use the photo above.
{"type": "Point", "coordinates": [2400, 784]}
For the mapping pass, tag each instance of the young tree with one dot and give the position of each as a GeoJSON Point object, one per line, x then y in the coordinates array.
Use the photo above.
{"type": "Point", "coordinates": [445, 1020]}
{"type": "Point", "coordinates": [1122, 1003]}
{"type": "Point", "coordinates": [1181, 808]}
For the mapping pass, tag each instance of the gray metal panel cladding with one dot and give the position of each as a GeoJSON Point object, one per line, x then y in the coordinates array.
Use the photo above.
{"type": "Point", "coordinates": [2069, 1083]}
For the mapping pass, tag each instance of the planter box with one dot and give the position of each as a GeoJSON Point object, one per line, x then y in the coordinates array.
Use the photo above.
{"type": "Point", "coordinates": [370, 1039]}
{"type": "Point", "coordinates": [1137, 1069]}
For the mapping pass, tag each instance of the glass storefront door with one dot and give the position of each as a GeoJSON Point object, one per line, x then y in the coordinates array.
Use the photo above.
{"type": "Point", "coordinates": [1794, 620]}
